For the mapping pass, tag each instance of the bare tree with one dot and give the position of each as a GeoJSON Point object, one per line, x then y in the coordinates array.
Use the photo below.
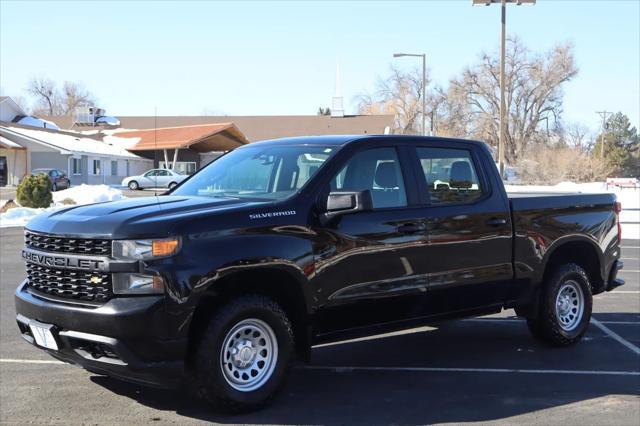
{"type": "Point", "coordinates": [577, 135]}
{"type": "Point", "coordinates": [51, 101]}
{"type": "Point", "coordinates": [46, 96]}
{"type": "Point", "coordinates": [75, 95]}
{"type": "Point", "coordinates": [533, 94]}
{"type": "Point", "coordinates": [400, 94]}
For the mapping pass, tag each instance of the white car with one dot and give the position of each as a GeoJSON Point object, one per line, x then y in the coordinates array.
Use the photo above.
{"type": "Point", "coordinates": [156, 178]}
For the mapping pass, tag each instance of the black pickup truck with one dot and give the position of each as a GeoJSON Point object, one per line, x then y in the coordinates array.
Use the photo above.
{"type": "Point", "coordinates": [281, 245]}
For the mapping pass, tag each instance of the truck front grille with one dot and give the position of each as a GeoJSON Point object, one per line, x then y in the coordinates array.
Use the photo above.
{"type": "Point", "coordinates": [69, 283]}
{"type": "Point", "coordinates": [68, 245]}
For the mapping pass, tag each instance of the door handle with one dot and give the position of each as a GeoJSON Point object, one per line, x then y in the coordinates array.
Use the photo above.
{"type": "Point", "coordinates": [497, 221]}
{"type": "Point", "coordinates": [411, 228]}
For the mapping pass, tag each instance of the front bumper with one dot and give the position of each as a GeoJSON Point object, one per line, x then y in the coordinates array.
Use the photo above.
{"type": "Point", "coordinates": [125, 338]}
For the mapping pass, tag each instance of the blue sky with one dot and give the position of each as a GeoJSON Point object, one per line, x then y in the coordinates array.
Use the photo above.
{"type": "Point", "coordinates": [280, 57]}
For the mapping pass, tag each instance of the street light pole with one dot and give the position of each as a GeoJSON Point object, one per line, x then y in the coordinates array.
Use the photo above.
{"type": "Point", "coordinates": [503, 38]}
{"type": "Point", "coordinates": [424, 84]}
{"type": "Point", "coordinates": [424, 93]}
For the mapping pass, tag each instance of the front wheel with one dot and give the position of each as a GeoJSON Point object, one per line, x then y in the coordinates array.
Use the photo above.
{"type": "Point", "coordinates": [244, 354]}
{"type": "Point", "coordinates": [133, 185]}
{"type": "Point", "coordinates": [565, 307]}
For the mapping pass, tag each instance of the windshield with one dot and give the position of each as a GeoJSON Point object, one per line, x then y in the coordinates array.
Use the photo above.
{"type": "Point", "coordinates": [271, 172]}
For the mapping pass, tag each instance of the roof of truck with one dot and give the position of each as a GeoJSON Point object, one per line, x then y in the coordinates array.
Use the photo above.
{"type": "Point", "coordinates": [344, 139]}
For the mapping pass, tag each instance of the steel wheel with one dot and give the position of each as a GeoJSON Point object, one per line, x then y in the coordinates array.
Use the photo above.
{"type": "Point", "coordinates": [569, 305]}
{"type": "Point", "coordinates": [248, 355]}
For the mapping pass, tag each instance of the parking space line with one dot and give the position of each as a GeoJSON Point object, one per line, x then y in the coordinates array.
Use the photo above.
{"type": "Point", "coordinates": [31, 361]}
{"type": "Point", "coordinates": [616, 336]}
{"type": "Point", "coordinates": [630, 270]}
{"type": "Point", "coordinates": [630, 247]}
{"type": "Point", "coordinates": [341, 369]}
{"type": "Point", "coordinates": [522, 320]}
{"type": "Point", "coordinates": [622, 292]}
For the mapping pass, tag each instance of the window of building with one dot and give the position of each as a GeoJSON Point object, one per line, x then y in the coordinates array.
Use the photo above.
{"type": "Point", "coordinates": [114, 168]}
{"type": "Point", "coordinates": [96, 169]}
{"type": "Point", "coordinates": [76, 166]}
{"type": "Point", "coordinates": [377, 170]}
{"type": "Point", "coordinates": [450, 174]}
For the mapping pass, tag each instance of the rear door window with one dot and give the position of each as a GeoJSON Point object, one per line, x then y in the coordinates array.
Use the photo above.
{"type": "Point", "coordinates": [450, 174]}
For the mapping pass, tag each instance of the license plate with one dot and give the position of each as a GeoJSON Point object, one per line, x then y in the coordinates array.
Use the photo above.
{"type": "Point", "coordinates": [43, 336]}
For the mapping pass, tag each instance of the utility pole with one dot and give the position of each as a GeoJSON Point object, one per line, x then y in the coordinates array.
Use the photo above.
{"type": "Point", "coordinates": [503, 125]}
{"type": "Point", "coordinates": [603, 115]}
{"type": "Point", "coordinates": [503, 108]}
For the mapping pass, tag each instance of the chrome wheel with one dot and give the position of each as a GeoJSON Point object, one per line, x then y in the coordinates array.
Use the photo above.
{"type": "Point", "coordinates": [569, 305]}
{"type": "Point", "coordinates": [249, 354]}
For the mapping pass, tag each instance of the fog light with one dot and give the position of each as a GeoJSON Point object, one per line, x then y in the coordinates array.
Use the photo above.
{"type": "Point", "coordinates": [137, 284]}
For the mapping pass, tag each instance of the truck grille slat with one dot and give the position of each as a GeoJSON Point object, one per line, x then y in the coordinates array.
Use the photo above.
{"type": "Point", "coordinates": [70, 284]}
{"type": "Point", "coordinates": [68, 245]}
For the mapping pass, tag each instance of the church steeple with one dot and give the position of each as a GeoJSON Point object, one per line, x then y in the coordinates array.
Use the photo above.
{"type": "Point", "coordinates": [337, 107]}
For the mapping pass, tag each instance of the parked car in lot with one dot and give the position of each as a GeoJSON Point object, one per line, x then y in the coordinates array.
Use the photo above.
{"type": "Point", "coordinates": [156, 178]}
{"type": "Point", "coordinates": [281, 245]}
{"type": "Point", "coordinates": [58, 178]}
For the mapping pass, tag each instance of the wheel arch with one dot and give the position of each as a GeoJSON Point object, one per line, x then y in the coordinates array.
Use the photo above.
{"type": "Point", "coordinates": [581, 251]}
{"type": "Point", "coordinates": [288, 293]}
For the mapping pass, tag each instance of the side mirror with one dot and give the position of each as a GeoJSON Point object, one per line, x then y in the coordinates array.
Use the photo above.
{"type": "Point", "coordinates": [345, 202]}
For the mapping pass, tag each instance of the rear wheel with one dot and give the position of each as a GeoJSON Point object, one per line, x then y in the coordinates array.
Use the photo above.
{"type": "Point", "coordinates": [133, 185]}
{"type": "Point", "coordinates": [565, 307]}
{"type": "Point", "coordinates": [244, 354]}
{"type": "Point", "coordinates": [172, 185]}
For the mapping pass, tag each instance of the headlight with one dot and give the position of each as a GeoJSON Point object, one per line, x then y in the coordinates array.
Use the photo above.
{"type": "Point", "coordinates": [137, 284]}
{"type": "Point", "coordinates": [145, 249]}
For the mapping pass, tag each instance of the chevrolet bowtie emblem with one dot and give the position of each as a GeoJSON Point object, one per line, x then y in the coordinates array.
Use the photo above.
{"type": "Point", "coordinates": [95, 280]}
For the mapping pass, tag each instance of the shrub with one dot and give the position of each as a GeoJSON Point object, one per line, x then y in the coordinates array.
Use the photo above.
{"type": "Point", "coordinates": [35, 191]}
{"type": "Point", "coordinates": [552, 165]}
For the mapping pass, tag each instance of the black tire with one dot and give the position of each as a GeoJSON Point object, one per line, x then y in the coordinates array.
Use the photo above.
{"type": "Point", "coordinates": [172, 185]}
{"type": "Point", "coordinates": [133, 185]}
{"type": "Point", "coordinates": [548, 326]}
{"type": "Point", "coordinates": [210, 381]}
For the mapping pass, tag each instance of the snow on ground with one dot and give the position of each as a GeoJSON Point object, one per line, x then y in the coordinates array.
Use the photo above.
{"type": "Point", "coordinates": [20, 216]}
{"type": "Point", "coordinates": [83, 194]}
{"type": "Point", "coordinates": [628, 197]}
{"type": "Point", "coordinates": [88, 194]}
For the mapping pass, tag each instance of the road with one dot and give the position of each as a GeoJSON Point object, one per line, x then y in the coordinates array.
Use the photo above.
{"type": "Point", "coordinates": [485, 370]}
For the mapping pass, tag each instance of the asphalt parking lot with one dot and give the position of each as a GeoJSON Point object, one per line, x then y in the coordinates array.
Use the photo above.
{"type": "Point", "coordinates": [486, 370]}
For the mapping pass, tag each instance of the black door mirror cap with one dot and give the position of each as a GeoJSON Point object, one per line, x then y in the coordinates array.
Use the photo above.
{"type": "Point", "coordinates": [346, 202]}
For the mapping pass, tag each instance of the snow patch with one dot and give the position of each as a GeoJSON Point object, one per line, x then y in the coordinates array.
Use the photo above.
{"type": "Point", "coordinates": [83, 194]}
{"type": "Point", "coordinates": [88, 194]}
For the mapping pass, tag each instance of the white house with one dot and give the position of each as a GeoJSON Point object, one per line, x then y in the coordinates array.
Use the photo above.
{"type": "Point", "coordinates": [86, 160]}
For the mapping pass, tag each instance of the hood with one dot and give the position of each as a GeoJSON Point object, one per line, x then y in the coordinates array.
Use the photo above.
{"type": "Point", "coordinates": [146, 217]}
